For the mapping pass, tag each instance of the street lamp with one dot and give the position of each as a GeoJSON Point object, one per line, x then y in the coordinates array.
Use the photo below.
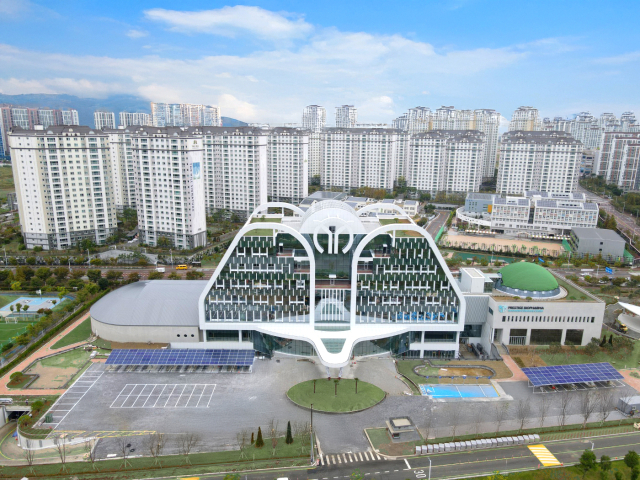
{"type": "Point", "coordinates": [311, 433]}
{"type": "Point", "coordinates": [429, 467]}
{"type": "Point", "coordinates": [592, 446]}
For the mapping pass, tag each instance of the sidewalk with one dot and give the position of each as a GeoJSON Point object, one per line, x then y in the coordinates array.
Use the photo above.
{"type": "Point", "coordinates": [518, 374]}
{"type": "Point", "coordinates": [45, 350]}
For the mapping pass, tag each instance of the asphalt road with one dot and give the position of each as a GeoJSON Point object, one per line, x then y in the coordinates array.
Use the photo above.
{"type": "Point", "coordinates": [436, 223]}
{"type": "Point", "coordinates": [624, 220]}
{"type": "Point", "coordinates": [459, 464]}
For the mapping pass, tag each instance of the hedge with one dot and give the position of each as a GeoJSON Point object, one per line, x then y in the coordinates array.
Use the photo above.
{"type": "Point", "coordinates": [47, 336]}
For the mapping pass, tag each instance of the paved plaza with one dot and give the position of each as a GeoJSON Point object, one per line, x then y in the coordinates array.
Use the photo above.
{"type": "Point", "coordinates": [217, 406]}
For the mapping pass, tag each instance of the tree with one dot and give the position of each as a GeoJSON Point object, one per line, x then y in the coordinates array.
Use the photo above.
{"type": "Point", "coordinates": [186, 442]}
{"type": "Point", "coordinates": [259, 440]}
{"type": "Point", "coordinates": [155, 444]}
{"type": "Point", "coordinates": [289, 439]}
{"type": "Point", "coordinates": [61, 273]}
{"type": "Point", "coordinates": [29, 454]}
{"type": "Point", "coordinates": [428, 425]}
{"type": "Point", "coordinates": [356, 379]}
{"type": "Point", "coordinates": [604, 404]}
{"type": "Point", "coordinates": [522, 411]}
{"type": "Point", "coordinates": [588, 404]}
{"type": "Point", "coordinates": [15, 286]}
{"type": "Point", "coordinates": [605, 463]}
{"type": "Point", "coordinates": [156, 275]}
{"type": "Point", "coordinates": [273, 433]}
{"type": "Point", "coordinates": [588, 460]}
{"type": "Point", "coordinates": [103, 283]}
{"type": "Point", "coordinates": [501, 409]}
{"type": "Point", "coordinates": [164, 242]}
{"type": "Point", "coordinates": [453, 415]}
{"type": "Point", "coordinates": [631, 459]}
{"type": "Point", "coordinates": [90, 452]}
{"type": "Point", "coordinates": [635, 472]}
{"type": "Point", "coordinates": [618, 475]}
{"type": "Point", "coordinates": [565, 402]}
{"type": "Point", "coordinates": [543, 409]}
{"type": "Point", "coordinates": [114, 275]}
{"type": "Point", "coordinates": [241, 440]}
{"type": "Point", "coordinates": [133, 277]}
{"type": "Point", "coordinates": [124, 446]}
{"type": "Point", "coordinates": [94, 275]}
{"type": "Point", "coordinates": [174, 276]}
{"type": "Point", "coordinates": [61, 447]}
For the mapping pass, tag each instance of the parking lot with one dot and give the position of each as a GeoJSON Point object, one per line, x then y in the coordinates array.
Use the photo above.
{"type": "Point", "coordinates": [165, 395]}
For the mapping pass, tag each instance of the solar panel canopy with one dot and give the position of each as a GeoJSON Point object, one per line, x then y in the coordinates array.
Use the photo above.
{"type": "Point", "coordinates": [182, 357]}
{"type": "Point", "coordinates": [564, 374]}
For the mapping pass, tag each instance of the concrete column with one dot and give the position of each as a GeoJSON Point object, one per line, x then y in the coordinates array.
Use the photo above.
{"type": "Point", "coordinates": [564, 336]}
{"type": "Point", "coordinates": [528, 341]}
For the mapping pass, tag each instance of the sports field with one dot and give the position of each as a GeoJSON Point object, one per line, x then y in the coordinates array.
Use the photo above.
{"type": "Point", "coordinates": [11, 329]}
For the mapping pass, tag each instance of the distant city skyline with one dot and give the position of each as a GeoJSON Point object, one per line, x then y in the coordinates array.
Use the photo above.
{"type": "Point", "coordinates": [265, 63]}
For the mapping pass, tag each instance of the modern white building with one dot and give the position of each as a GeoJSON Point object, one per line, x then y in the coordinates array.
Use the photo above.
{"type": "Point", "coordinates": [338, 284]}
{"type": "Point", "coordinates": [129, 119]}
{"type": "Point", "coordinates": [536, 213]}
{"type": "Point", "coordinates": [314, 119]}
{"type": "Point", "coordinates": [416, 120]}
{"type": "Point", "coordinates": [104, 120]}
{"type": "Point", "coordinates": [123, 166]}
{"type": "Point", "coordinates": [536, 160]}
{"type": "Point", "coordinates": [525, 119]}
{"type": "Point", "coordinates": [170, 192]}
{"type": "Point", "coordinates": [346, 116]}
{"type": "Point", "coordinates": [358, 157]}
{"type": "Point", "coordinates": [618, 161]}
{"type": "Point", "coordinates": [446, 160]}
{"type": "Point", "coordinates": [64, 185]}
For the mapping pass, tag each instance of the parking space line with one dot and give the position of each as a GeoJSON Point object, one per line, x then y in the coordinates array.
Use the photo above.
{"type": "Point", "coordinates": [211, 395]}
{"type": "Point", "coordinates": [177, 401]}
{"type": "Point", "coordinates": [163, 389]}
{"type": "Point", "coordinates": [169, 397]}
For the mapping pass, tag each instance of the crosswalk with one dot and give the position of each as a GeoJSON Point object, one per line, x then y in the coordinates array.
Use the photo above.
{"type": "Point", "coordinates": [349, 457]}
{"type": "Point", "coordinates": [547, 459]}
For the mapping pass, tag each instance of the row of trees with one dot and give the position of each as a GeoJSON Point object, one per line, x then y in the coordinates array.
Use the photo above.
{"type": "Point", "coordinates": [296, 431]}
{"type": "Point", "coordinates": [591, 403]}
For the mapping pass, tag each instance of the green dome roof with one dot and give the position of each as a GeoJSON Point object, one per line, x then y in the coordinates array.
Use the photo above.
{"type": "Point", "coordinates": [528, 276]}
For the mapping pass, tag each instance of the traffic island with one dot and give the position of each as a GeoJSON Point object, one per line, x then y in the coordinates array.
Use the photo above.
{"type": "Point", "coordinates": [336, 396]}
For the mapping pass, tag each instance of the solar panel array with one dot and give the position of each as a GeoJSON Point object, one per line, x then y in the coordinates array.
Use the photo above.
{"type": "Point", "coordinates": [564, 374]}
{"type": "Point", "coordinates": [182, 357]}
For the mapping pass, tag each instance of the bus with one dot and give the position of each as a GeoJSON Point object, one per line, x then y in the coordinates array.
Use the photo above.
{"type": "Point", "coordinates": [182, 267]}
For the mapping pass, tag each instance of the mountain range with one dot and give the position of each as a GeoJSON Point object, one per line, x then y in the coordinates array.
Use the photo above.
{"type": "Point", "coordinates": [86, 106]}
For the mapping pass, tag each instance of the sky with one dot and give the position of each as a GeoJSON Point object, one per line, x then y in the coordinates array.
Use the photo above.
{"type": "Point", "coordinates": [264, 61]}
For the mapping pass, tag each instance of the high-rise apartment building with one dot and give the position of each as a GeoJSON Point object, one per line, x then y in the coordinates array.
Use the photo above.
{"type": "Point", "coordinates": [619, 159]}
{"type": "Point", "coordinates": [358, 157]}
{"type": "Point", "coordinates": [128, 119]}
{"type": "Point", "coordinates": [525, 119]}
{"type": "Point", "coordinates": [537, 160]}
{"type": "Point", "coordinates": [64, 185]}
{"type": "Point", "coordinates": [170, 186]}
{"type": "Point", "coordinates": [416, 120]}
{"type": "Point", "coordinates": [287, 163]}
{"type": "Point", "coordinates": [70, 117]}
{"type": "Point", "coordinates": [446, 160]}
{"type": "Point", "coordinates": [27, 118]}
{"type": "Point", "coordinates": [235, 169]}
{"type": "Point", "coordinates": [123, 167]}
{"type": "Point", "coordinates": [184, 115]}
{"type": "Point", "coordinates": [104, 120]}
{"type": "Point", "coordinates": [314, 119]}
{"type": "Point", "coordinates": [346, 116]}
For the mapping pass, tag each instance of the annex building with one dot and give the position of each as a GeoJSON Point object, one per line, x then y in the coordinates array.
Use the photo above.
{"type": "Point", "coordinates": [337, 283]}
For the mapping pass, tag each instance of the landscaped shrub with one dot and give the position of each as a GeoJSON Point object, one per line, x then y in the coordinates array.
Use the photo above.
{"type": "Point", "coordinates": [518, 361]}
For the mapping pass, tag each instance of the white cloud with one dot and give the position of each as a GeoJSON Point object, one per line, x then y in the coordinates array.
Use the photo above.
{"type": "Point", "coordinates": [620, 59]}
{"type": "Point", "coordinates": [233, 21]}
{"type": "Point", "coordinates": [14, 8]}
{"type": "Point", "coordinates": [80, 87]}
{"type": "Point", "coordinates": [133, 33]}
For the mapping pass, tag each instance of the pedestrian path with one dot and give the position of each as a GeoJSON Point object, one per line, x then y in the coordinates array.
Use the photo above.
{"type": "Point", "coordinates": [542, 453]}
{"type": "Point", "coordinates": [350, 457]}
{"type": "Point", "coordinates": [518, 374]}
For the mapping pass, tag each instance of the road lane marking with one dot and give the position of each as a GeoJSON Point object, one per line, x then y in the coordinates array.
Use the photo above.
{"type": "Point", "coordinates": [360, 454]}
{"type": "Point", "coordinates": [547, 459]}
{"type": "Point", "coordinates": [408, 466]}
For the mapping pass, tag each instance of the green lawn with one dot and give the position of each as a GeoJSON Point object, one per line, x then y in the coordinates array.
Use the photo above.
{"type": "Point", "coordinates": [382, 442]}
{"type": "Point", "coordinates": [21, 383]}
{"type": "Point", "coordinates": [72, 359]}
{"type": "Point", "coordinates": [7, 299]}
{"type": "Point", "coordinates": [260, 232]}
{"type": "Point", "coordinates": [388, 221]}
{"type": "Point", "coordinates": [405, 367]}
{"type": "Point", "coordinates": [6, 181]}
{"type": "Point", "coordinates": [78, 334]}
{"type": "Point", "coordinates": [174, 465]}
{"type": "Point", "coordinates": [265, 220]}
{"type": "Point", "coordinates": [10, 330]}
{"type": "Point", "coordinates": [326, 400]}
{"type": "Point", "coordinates": [573, 292]}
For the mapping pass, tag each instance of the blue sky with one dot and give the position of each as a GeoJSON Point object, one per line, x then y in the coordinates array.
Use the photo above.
{"type": "Point", "coordinates": [264, 61]}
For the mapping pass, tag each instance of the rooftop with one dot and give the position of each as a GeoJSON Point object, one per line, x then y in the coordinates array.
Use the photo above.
{"type": "Point", "coordinates": [151, 303]}
{"type": "Point", "coordinates": [597, 234]}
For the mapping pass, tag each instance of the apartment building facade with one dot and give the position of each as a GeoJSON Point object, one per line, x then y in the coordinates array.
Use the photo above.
{"type": "Point", "coordinates": [314, 119]}
{"type": "Point", "coordinates": [358, 157]}
{"type": "Point", "coordinates": [170, 191]}
{"type": "Point", "coordinates": [538, 160]}
{"type": "Point", "coordinates": [287, 165]}
{"type": "Point", "coordinates": [129, 119]}
{"type": "Point", "coordinates": [525, 119]}
{"type": "Point", "coordinates": [346, 116]}
{"type": "Point", "coordinates": [619, 159]}
{"type": "Point", "coordinates": [446, 160]}
{"type": "Point", "coordinates": [64, 185]}
{"type": "Point", "coordinates": [104, 120]}
{"type": "Point", "coordinates": [184, 115]}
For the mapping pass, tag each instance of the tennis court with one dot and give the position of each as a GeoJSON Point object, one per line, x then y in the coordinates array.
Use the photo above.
{"type": "Point", "coordinates": [459, 391]}
{"type": "Point", "coordinates": [33, 303]}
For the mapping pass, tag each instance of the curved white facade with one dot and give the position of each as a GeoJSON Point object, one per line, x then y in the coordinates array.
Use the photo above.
{"type": "Point", "coordinates": [341, 282]}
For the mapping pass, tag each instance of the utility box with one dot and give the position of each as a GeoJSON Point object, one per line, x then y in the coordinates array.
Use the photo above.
{"type": "Point", "coordinates": [629, 405]}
